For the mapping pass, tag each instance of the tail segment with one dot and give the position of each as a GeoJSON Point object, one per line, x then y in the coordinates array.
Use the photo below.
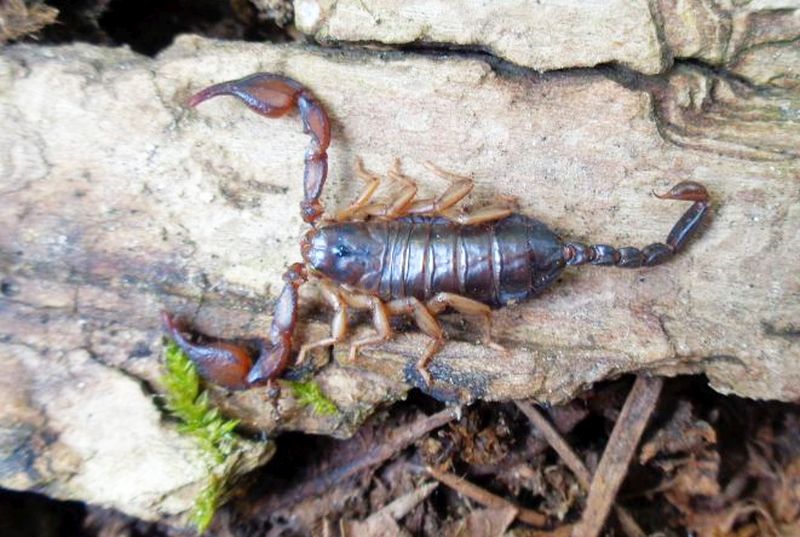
{"type": "Point", "coordinates": [576, 253]}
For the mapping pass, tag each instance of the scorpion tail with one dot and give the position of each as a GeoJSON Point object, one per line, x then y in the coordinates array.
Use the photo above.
{"type": "Point", "coordinates": [274, 96]}
{"type": "Point", "coordinates": [576, 253]}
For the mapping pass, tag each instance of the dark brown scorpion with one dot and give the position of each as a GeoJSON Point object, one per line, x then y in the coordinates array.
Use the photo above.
{"type": "Point", "coordinates": [404, 256]}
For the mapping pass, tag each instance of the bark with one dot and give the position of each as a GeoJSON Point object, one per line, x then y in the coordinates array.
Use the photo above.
{"type": "Point", "coordinates": [755, 40]}
{"type": "Point", "coordinates": [541, 35]}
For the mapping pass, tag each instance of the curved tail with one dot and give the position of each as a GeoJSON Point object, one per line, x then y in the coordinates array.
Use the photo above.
{"type": "Point", "coordinates": [274, 96]}
{"type": "Point", "coordinates": [576, 253]}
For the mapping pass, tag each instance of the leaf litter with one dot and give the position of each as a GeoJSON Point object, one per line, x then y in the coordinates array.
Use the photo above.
{"type": "Point", "coordinates": [706, 465]}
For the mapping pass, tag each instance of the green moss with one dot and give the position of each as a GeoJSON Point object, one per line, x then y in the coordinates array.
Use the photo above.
{"type": "Point", "coordinates": [199, 419]}
{"type": "Point", "coordinates": [206, 503]}
{"type": "Point", "coordinates": [214, 433]}
{"type": "Point", "coordinates": [310, 394]}
{"type": "Point", "coordinates": [203, 422]}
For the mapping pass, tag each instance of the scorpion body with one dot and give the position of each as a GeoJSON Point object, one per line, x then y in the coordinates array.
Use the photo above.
{"type": "Point", "coordinates": [495, 263]}
{"type": "Point", "coordinates": [402, 256]}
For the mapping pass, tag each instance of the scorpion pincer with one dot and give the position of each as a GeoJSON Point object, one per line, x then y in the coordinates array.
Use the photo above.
{"type": "Point", "coordinates": [402, 256]}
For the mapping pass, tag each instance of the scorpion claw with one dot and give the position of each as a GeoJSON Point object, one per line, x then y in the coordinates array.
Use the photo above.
{"type": "Point", "coordinates": [229, 363]}
{"type": "Point", "coordinates": [265, 94]}
{"type": "Point", "coordinates": [685, 191]}
{"type": "Point", "coordinates": [223, 362]}
{"type": "Point", "coordinates": [274, 96]}
{"type": "Point", "coordinates": [271, 362]}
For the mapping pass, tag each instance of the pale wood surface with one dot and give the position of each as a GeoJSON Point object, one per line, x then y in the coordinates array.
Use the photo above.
{"type": "Point", "coordinates": [756, 40]}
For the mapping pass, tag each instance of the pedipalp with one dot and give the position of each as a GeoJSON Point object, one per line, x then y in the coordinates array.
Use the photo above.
{"type": "Point", "coordinates": [274, 96]}
{"type": "Point", "coordinates": [229, 362]}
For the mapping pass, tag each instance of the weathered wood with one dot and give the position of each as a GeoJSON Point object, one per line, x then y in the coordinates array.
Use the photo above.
{"type": "Point", "coordinates": [541, 35]}
{"type": "Point", "coordinates": [116, 202]}
{"type": "Point", "coordinates": [136, 203]}
{"type": "Point", "coordinates": [755, 40]}
{"type": "Point", "coordinates": [75, 427]}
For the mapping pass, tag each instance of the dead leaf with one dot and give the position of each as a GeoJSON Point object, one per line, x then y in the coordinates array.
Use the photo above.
{"type": "Point", "coordinates": [682, 434]}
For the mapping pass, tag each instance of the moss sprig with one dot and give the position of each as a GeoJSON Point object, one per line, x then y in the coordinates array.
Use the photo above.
{"type": "Point", "coordinates": [207, 502]}
{"type": "Point", "coordinates": [202, 421]}
{"type": "Point", "coordinates": [199, 418]}
{"type": "Point", "coordinates": [309, 394]}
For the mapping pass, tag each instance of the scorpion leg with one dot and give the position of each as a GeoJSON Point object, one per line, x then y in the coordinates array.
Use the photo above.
{"type": "Point", "coordinates": [465, 306]}
{"type": "Point", "coordinates": [229, 363]}
{"type": "Point", "coordinates": [274, 96]}
{"type": "Point", "coordinates": [380, 321]}
{"type": "Point", "coordinates": [403, 200]}
{"type": "Point", "coordinates": [427, 323]}
{"type": "Point", "coordinates": [405, 203]}
{"type": "Point", "coordinates": [496, 211]}
{"type": "Point", "coordinates": [399, 207]}
{"type": "Point", "coordinates": [687, 225]}
{"type": "Point", "coordinates": [338, 324]}
{"type": "Point", "coordinates": [373, 182]}
{"type": "Point", "coordinates": [460, 187]}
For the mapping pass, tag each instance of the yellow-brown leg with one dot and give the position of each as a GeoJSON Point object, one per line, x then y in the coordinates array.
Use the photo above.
{"type": "Point", "coordinates": [408, 192]}
{"type": "Point", "coordinates": [459, 188]}
{"type": "Point", "coordinates": [380, 321]}
{"type": "Point", "coordinates": [403, 200]}
{"type": "Point", "coordinates": [504, 206]}
{"type": "Point", "coordinates": [465, 306]}
{"type": "Point", "coordinates": [372, 182]}
{"type": "Point", "coordinates": [427, 323]}
{"type": "Point", "coordinates": [338, 324]}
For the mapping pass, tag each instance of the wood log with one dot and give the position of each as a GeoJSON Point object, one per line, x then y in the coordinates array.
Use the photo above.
{"type": "Point", "coordinates": [754, 40]}
{"type": "Point", "coordinates": [118, 202]}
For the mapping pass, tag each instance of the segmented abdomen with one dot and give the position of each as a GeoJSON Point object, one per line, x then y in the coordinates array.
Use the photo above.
{"type": "Point", "coordinates": [495, 263]}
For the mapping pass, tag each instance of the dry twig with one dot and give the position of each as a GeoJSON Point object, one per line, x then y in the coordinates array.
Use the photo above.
{"type": "Point", "coordinates": [617, 456]}
{"type": "Point", "coordinates": [574, 463]}
{"type": "Point", "coordinates": [382, 451]}
{"type": "Point", "coordinates": [484, 497]}
{"type": "Point", "coordinates": [384, 521]}
{"type": "Point", "coordinates": [560, 445]}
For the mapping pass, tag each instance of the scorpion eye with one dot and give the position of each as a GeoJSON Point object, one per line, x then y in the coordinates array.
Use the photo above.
{"type": "Point", "coordinates": [340, 250]}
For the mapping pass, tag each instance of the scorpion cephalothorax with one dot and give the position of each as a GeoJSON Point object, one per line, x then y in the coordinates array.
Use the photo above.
{"type": "Point", "coordinates": [402, 256]}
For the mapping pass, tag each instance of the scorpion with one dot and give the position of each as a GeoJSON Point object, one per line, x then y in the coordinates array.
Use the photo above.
{"type": "Point", "coordinates": [402, 256]}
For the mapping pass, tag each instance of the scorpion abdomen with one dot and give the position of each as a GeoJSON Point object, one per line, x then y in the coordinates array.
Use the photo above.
{"type": "Point", "coordinates": [496, 263]}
